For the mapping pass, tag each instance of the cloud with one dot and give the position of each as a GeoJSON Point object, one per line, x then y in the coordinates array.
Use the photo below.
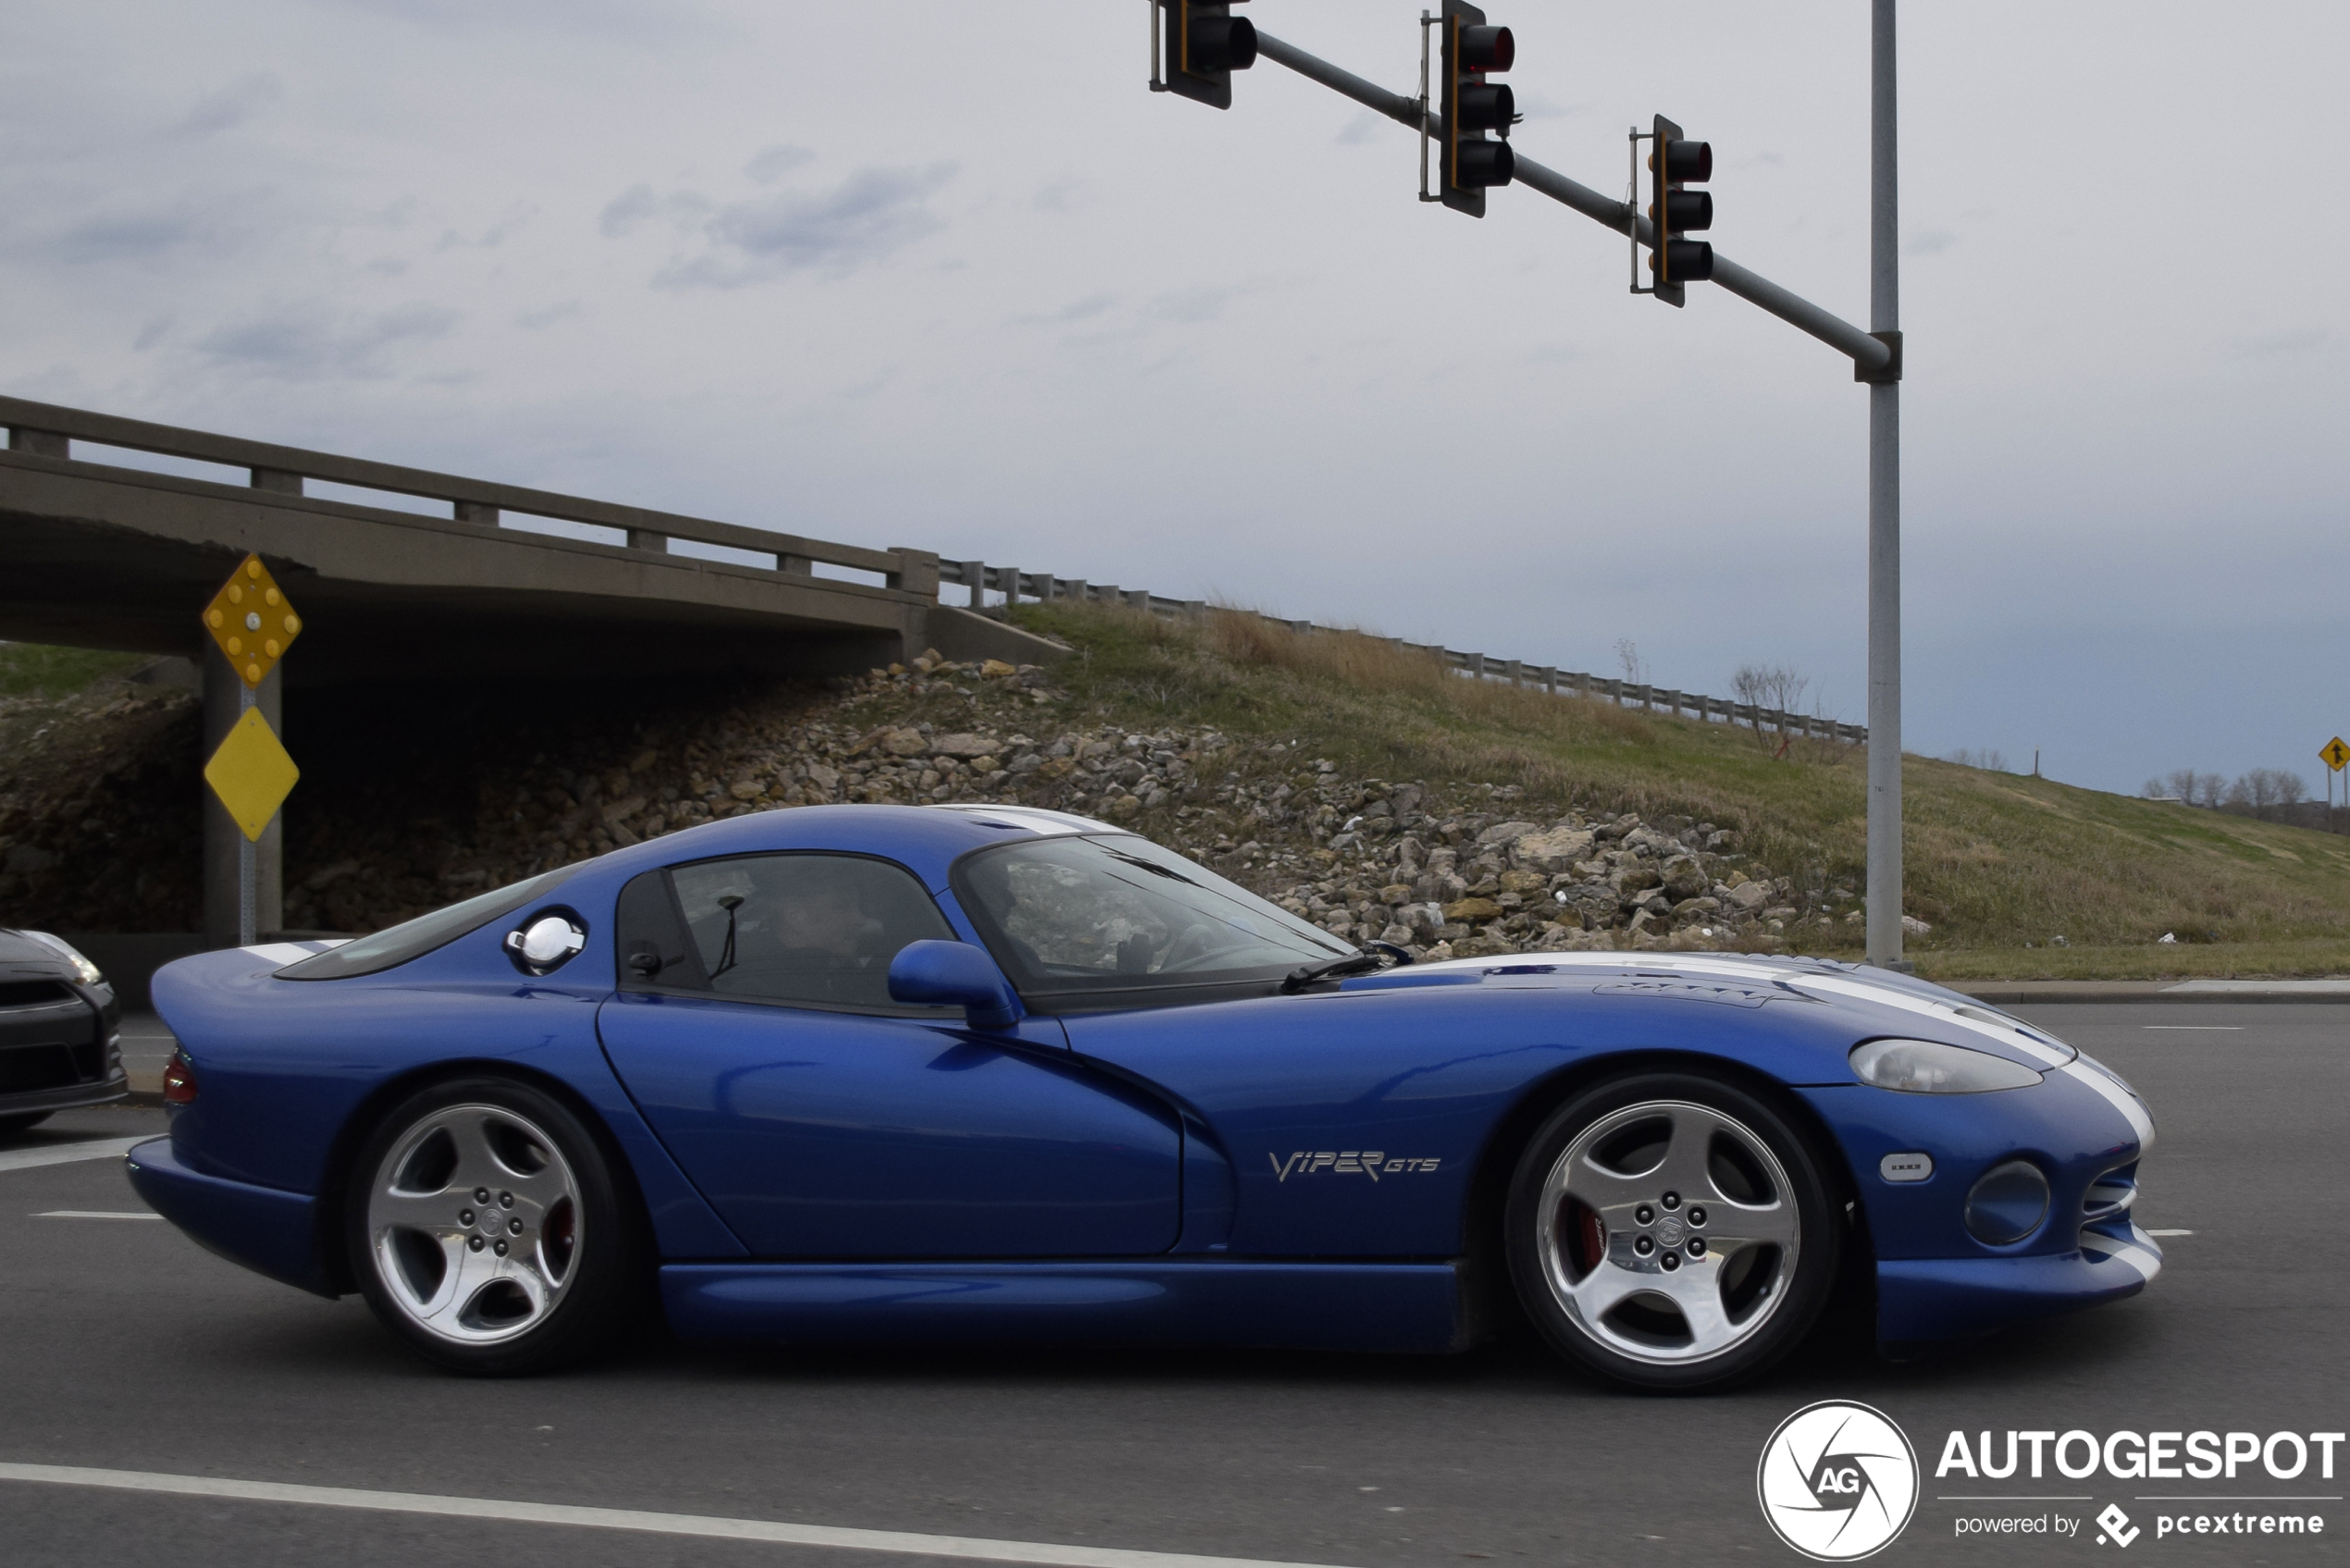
{"type": "Point", "coordinates": [491, 237]}
{"type": "Point", "coordinates": [641, 204]}
{"type": "Point", "coordinates": [2299, 339]}
{"type": "Point", "coordinates": [1364, 127]}
{"type": "Point", "coordinates": [313, 345]}
{"type": "Point", "coordinates": [1188, 307]}
{"type": "Point", "coordinates": [230, 107]}
{"type": "Point", "coordinates": [1063, 195]}
{"type": "Point", "coordinates": [1931, 241]}
{"type": "Point", "coordinates": [123, 236]}
{"type": "Point", "coordinates": [1075, 310]}
{"type": "Point", "coordinates": [771, 164]}
{"type": "Point", "coordinates": [870, 215]}
{"type": "Point", "coordinates": [546, 316]}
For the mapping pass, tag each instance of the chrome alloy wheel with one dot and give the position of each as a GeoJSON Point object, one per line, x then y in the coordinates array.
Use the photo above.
{"type": "Point", "coordinates": [1668, 1232]}
{"type": "Point", "coordinates": [474, 1224]}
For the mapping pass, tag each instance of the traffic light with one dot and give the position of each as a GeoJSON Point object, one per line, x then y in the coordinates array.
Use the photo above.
{"type": "Point", "coordinates": [1472, 107]}
{"type": "Point", "coordinates": [1673, 212]}
{"type": "Point", "coordinates": [1206, 44]}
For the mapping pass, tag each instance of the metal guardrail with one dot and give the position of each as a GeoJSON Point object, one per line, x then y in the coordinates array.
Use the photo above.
{"type": "Point", "coordinates": [1044, 587]}
{"type": "Point", "coordinates": [49, 430]}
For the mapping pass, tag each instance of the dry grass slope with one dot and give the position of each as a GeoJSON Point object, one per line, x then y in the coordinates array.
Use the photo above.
{"type": "Point", "coordinates": [1995, 860]}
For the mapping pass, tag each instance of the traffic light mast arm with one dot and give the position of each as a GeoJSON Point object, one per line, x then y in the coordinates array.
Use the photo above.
{"type": "Point", "coordinates": [1872, 357]}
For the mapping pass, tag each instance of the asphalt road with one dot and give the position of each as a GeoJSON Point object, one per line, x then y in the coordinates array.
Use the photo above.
{"type": "Point", "coordinates": [123, 1346]}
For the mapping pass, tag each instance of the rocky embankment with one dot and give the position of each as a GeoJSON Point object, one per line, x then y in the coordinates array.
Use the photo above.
{"type": "Point", "coordinates": [382, 830]}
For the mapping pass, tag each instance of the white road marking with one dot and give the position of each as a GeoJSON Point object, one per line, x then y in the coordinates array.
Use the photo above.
{"type": "Point", "coordinates": [2169, 1233]}
{"type": "Point", "coordinates": [902, 1541]}
{"type": "Point", "coordinates": [96, 1214]}
{"type": "Point", "coordinates": [2205, 1028]}
{"type": "Point", "coordinates": [66, 1154]}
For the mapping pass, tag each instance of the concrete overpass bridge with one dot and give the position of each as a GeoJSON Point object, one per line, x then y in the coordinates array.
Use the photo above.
{"type": "Point", "coordinates": [402, 574]}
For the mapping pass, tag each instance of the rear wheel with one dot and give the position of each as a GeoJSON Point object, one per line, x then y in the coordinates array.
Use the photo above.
{"type": "Point", "coordinates": [485, 1227]}
{"type": "Point", "coordinates": [1671, 1230]}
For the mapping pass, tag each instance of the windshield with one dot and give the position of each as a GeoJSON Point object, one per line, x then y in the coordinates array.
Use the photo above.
{"type": "Point", "coordinates": [397, 944]}
{"type": "Point", "coordinates": [1122, 913]}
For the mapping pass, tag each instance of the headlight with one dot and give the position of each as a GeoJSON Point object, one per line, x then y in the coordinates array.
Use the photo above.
{"type": "Point", "coordinates": [83, 969]}
{"type": "Point", "coordinates": [1927, 1066]}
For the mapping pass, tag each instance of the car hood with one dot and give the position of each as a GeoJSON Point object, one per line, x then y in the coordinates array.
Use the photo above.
{"type": "Point", "coordinates": [1872, 1002]}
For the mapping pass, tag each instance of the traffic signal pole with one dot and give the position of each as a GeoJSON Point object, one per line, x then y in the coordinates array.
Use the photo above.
{"type": "Point", "coordinates": [1876, 360]}
{"type": "Point", "coordinates": [1885, 509]}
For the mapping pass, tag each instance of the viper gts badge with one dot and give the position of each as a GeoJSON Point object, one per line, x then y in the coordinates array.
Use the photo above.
{"type": "Point", "coordinates": [1372, 1162]}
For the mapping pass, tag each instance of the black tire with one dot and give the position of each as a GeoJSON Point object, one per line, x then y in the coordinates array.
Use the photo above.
{"type": "Point", "coordinates": [23, 1121]}
{"type": "Point", "coordinates": [1741, 1222]}
{"type": "Point", "coordinates": [528, 1287]}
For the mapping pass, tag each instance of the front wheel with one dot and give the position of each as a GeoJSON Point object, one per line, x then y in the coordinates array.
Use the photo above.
{"type": "Point", "coordinates": [1671, 1231]}
{"type": "Point", "coordinates": [486, 1227]}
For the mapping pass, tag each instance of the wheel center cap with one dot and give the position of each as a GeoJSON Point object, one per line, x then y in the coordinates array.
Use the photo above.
{"type": "Point", "coordinates": [1671, 1231]}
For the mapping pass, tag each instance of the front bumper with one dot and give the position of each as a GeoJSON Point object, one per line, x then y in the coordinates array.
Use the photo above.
{"type": "Point", "coordinates": [260, 1228]}
{"type": "Point", "coordinates": [1921, 1299]}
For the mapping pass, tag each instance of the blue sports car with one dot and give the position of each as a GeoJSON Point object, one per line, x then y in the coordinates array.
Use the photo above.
{"type": "Point", "coordinates": [879, 1073]}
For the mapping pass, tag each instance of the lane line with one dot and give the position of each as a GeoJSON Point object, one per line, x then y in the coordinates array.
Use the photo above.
{"type": "Point", "coordinates": [2205, 1028]}
{"type": "Point", "coordinates": [904, 1542]}
{"type": "Point", "coordinates": [66, 1154]}
{"type": "Point", "coordinates": [98, 1214]}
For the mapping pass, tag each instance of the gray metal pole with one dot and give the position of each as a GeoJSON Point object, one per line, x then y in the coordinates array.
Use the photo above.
{"type": "Point", "coordinates": [1884, 513]}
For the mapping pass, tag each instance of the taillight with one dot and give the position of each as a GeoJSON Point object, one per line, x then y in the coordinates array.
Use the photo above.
{"type": "Point", "coordinates": [179, 1080]}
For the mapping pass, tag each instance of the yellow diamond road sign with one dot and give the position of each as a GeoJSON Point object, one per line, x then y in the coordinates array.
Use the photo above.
{"type": "Point", "coordinates": [2335, 755]}
{"type": "Point", "coordinates": [252, 774]}
{"type": "Point", "coordinates": [251, 621]}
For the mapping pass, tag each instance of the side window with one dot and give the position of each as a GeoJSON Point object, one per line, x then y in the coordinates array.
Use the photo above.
{"type": "Point", "coordinates": [817, 929]}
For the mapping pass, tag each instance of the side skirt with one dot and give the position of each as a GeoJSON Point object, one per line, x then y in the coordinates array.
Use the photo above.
{"type": "Point", "coordinates": [1404, 1307]}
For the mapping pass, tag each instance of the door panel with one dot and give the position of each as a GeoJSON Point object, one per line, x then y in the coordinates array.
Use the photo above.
{"type": "Point", "coordinates": [817, 1133]}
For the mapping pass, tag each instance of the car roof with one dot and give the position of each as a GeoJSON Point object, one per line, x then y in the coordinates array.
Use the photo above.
{"type": "Point", "coordinates": [927, 839]}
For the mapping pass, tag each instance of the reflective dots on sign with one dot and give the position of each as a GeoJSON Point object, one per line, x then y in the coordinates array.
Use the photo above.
{"type": "Point", "coordinates": [294, 624]}
{"type": "Point", "coordinates": [235, 646]}
{"type": "Point", "coordinates": [236, 593]}
{"type": "Point", "coordinates": [253, 620]}
{"type": "Point", "coordinates": [215, 619]}
{"type": "Point", "coordinates": [252, 675]}
{"type": "Point", "coordinates": [253, 566]}
{"type": "Point", "coordinates": [270, 596]}
{"type": "Point", "coordinates": [270, 648]}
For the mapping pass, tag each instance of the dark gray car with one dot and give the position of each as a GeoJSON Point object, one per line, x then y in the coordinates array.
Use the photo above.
{"type": "Point", "coordinates": [58, 1044]}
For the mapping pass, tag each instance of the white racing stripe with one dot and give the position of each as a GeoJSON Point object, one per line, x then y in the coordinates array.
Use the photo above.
{"type": "Point", "coordinates": [905, 1542]}
{"type": "Point", "coordinates": [96, 1214]}
{"type": "Point", "coordinates": [66, 1154]}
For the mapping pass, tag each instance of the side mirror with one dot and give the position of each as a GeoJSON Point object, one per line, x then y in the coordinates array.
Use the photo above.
{"type": "Point", "coordinates": [551, 940]}
{"type": "Point", "coordinates": [955, 974]}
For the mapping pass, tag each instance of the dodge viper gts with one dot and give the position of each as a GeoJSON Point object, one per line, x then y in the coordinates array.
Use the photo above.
{"type": "Point", "coordinates": [894, 1074]}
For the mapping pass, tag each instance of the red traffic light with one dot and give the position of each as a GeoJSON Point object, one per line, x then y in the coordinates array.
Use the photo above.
{"type": "Point", "coordinates": [1688, 160]}
{"type": "Point", "coordinates": [1487, 49]}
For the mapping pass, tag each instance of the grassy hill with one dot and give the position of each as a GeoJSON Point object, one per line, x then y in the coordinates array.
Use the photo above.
{"type": "Point", "coordinates": [2003, 867]}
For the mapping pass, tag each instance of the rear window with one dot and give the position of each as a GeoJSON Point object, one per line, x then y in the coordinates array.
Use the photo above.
{"type": "Point", "coordinates": [412, 939]}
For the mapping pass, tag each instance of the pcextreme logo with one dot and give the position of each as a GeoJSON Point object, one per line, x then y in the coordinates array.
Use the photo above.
{"type": "Point", "coordinates": [1838, 1481]}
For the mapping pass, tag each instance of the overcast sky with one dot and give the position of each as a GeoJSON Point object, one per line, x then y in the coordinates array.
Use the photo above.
{"type": "Point", "coordinates": [908, 272]}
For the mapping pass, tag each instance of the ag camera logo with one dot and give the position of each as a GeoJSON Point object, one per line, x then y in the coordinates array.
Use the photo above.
{"type": "Point", "coordinates": [1838, 1481]}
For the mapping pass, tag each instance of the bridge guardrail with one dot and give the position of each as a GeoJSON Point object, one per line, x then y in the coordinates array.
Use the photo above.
{"type": "Point", "coordinates": [1044, 587]}
{"type": "Point", "coordinates": [49, 430]}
